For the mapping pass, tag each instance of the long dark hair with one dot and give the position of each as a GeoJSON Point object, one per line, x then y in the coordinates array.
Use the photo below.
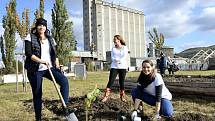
{"type": "Point", "coordinates": [145, 80]}
{"type": "Point", "coordinates": [120, 39]}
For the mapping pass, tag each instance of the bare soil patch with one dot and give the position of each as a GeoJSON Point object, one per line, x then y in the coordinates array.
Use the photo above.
{"type": "Point", "coordinates": [183, 88]}
{"type": "Point", "coordinates": [112, 110]}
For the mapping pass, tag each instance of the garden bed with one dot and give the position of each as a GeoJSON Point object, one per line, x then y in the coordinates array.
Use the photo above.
{"type": "Point", "coordinates": [193, 100]}
{"type": "Point", "coordinates": [201, 86]}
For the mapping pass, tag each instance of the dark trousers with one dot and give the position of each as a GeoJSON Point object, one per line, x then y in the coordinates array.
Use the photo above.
{"type": "Point", "coordinates": [36, 85]}
{"type": "Point", "coordinates": [170, 69]}
{"type": "Point", "coordinates": [162, 71]}
{"type": "Point", "coordinates": [112, 77]}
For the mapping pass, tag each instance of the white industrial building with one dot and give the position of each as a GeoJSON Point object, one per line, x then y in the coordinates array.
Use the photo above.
{"type": "Point", "coordinates": [102, 20]}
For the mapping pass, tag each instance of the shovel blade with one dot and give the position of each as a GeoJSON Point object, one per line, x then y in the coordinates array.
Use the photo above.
{"type": "Point", "coordinates": [71, 117]}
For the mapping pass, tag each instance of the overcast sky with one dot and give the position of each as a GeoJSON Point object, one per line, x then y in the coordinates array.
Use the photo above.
{"type": "Point", "coordinates": [184, 23]}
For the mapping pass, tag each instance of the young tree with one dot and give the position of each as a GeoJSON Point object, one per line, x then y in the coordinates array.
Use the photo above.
{"type": "Point", "coordinates": [9, 24]}
{"type": "Point", "coordinates": [157, 40]}
{"type": "Point", "coordinates": [39, 13]}
{"type": "Point", "coordinates": [23, 27]}
{"type": "Point", "coordinates": [41, 8]}
{"type": "Point", "coordinates": [2, 48]}
{"type": "Point", "coordinates": [62, 31]}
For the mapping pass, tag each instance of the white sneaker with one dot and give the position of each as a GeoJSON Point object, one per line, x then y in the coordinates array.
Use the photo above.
{"type": "Point", "coordinates": [137, 119]}
{"type": "Point", "coordinates": [133, 115]}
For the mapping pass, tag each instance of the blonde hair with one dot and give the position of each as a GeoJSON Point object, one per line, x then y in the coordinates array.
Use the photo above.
{"type": "Point", "coordinates": [120, 39]}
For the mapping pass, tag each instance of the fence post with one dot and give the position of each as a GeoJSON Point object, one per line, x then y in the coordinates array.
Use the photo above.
{"type": "Point", "coordinates": [17, 73]}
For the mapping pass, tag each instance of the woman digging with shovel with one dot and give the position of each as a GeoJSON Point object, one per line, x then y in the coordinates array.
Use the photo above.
{"type": "Point", "coordinates": [40, 55]}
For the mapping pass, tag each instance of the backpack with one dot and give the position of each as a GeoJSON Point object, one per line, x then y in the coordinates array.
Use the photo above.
{"type": "Point", "coordinates": [175, 68]}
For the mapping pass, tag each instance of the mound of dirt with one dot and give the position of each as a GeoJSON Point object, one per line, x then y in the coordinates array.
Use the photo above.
{"type": "Point", "coordinates": [112, 110]}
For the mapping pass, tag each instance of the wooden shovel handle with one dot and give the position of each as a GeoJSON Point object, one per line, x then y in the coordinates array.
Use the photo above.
{"type": "Point", "coordinates": [57, 88]}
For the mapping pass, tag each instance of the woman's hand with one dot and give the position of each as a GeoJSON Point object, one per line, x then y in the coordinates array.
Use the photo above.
{"type": "Point", "coordinates": [157, 107]}
{"type": "Point", "coordinates": [157, 117]}
{"type": "Point", "coordinates": [57, 66]}
{"type": "Point", "coordinates": [118, 62]}
{"type": "Point", "coordinates": [38, 60]}
{"type": "Point", "coordinates": [157, 110]}
{"type": "Point", "coordinates": [57, 63]}
{"type": "Point", "coordinates": [44, 62]}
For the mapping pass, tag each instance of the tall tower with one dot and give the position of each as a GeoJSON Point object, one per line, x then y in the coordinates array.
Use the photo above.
{"type": "Point", "coordinates": [102, 20]}
{"type": "Point", "coordinates": [87, 24]}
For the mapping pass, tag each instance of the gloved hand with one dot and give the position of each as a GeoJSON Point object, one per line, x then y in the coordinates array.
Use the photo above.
{"type": "Point", "coordinates": [157, 117]}
{"type": "Point", "coordinates": [133, 115]}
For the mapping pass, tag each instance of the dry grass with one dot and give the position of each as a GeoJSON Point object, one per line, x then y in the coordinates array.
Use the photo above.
{"type": "Point", "coordinates": [208, 72]}
{"type": "Point", "coordinates": [12, 107]}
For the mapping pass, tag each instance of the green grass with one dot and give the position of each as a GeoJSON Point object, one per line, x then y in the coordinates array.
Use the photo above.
{"type": "Point", "coordinates": [208, 72]}
{"type": "Point", "coordinates": [12, 104]}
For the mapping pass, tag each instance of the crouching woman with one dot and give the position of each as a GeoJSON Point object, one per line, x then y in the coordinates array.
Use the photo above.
{"type": "Point", "coordinates": [152, 90]}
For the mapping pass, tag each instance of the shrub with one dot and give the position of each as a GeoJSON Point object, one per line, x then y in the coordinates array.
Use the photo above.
{"type": "Point", "coordinates": [89, 65]}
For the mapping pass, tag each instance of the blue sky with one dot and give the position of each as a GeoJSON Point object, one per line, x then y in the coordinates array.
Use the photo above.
{"type": "Point", "coordinates": [184, 23]}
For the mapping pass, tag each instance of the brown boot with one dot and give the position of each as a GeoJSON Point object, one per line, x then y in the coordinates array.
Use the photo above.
{"type": "Point", "coordinates": [122, 95]}
{"type": "Point", "coordinates": [107, 93]}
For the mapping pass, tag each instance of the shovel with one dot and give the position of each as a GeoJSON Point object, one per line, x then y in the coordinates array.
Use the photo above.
{"type": "Point", "coordinates": [69, 116]}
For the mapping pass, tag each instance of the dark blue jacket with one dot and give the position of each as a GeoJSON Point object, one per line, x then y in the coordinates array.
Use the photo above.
{"type": "Point", "coordinates": [163, 62]}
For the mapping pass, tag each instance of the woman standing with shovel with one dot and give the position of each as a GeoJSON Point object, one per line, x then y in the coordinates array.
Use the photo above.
{"type": "Point", "coordinates": [40, 52]}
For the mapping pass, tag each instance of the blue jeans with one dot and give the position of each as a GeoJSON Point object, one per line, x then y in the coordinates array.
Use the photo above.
{"type": "Point", "coordinates": [36, 85]}
{"type": "Point", "coordinates": [166, 105]}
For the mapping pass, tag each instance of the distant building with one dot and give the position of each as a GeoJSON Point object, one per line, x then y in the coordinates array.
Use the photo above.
{"type": "Point", "coordinates": [102, 20]}
{"type": "Point", "coordinates": [168, 51]}
{"type": "Point", "coordinates": [82, 56]}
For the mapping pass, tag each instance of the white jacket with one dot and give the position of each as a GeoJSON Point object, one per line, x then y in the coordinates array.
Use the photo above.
{"type": "Point", "coordinates": [119, 58]}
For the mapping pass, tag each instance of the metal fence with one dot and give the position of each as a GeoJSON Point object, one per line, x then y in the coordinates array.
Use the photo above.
{"type": "Point", "coordinates": [193, 66]}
